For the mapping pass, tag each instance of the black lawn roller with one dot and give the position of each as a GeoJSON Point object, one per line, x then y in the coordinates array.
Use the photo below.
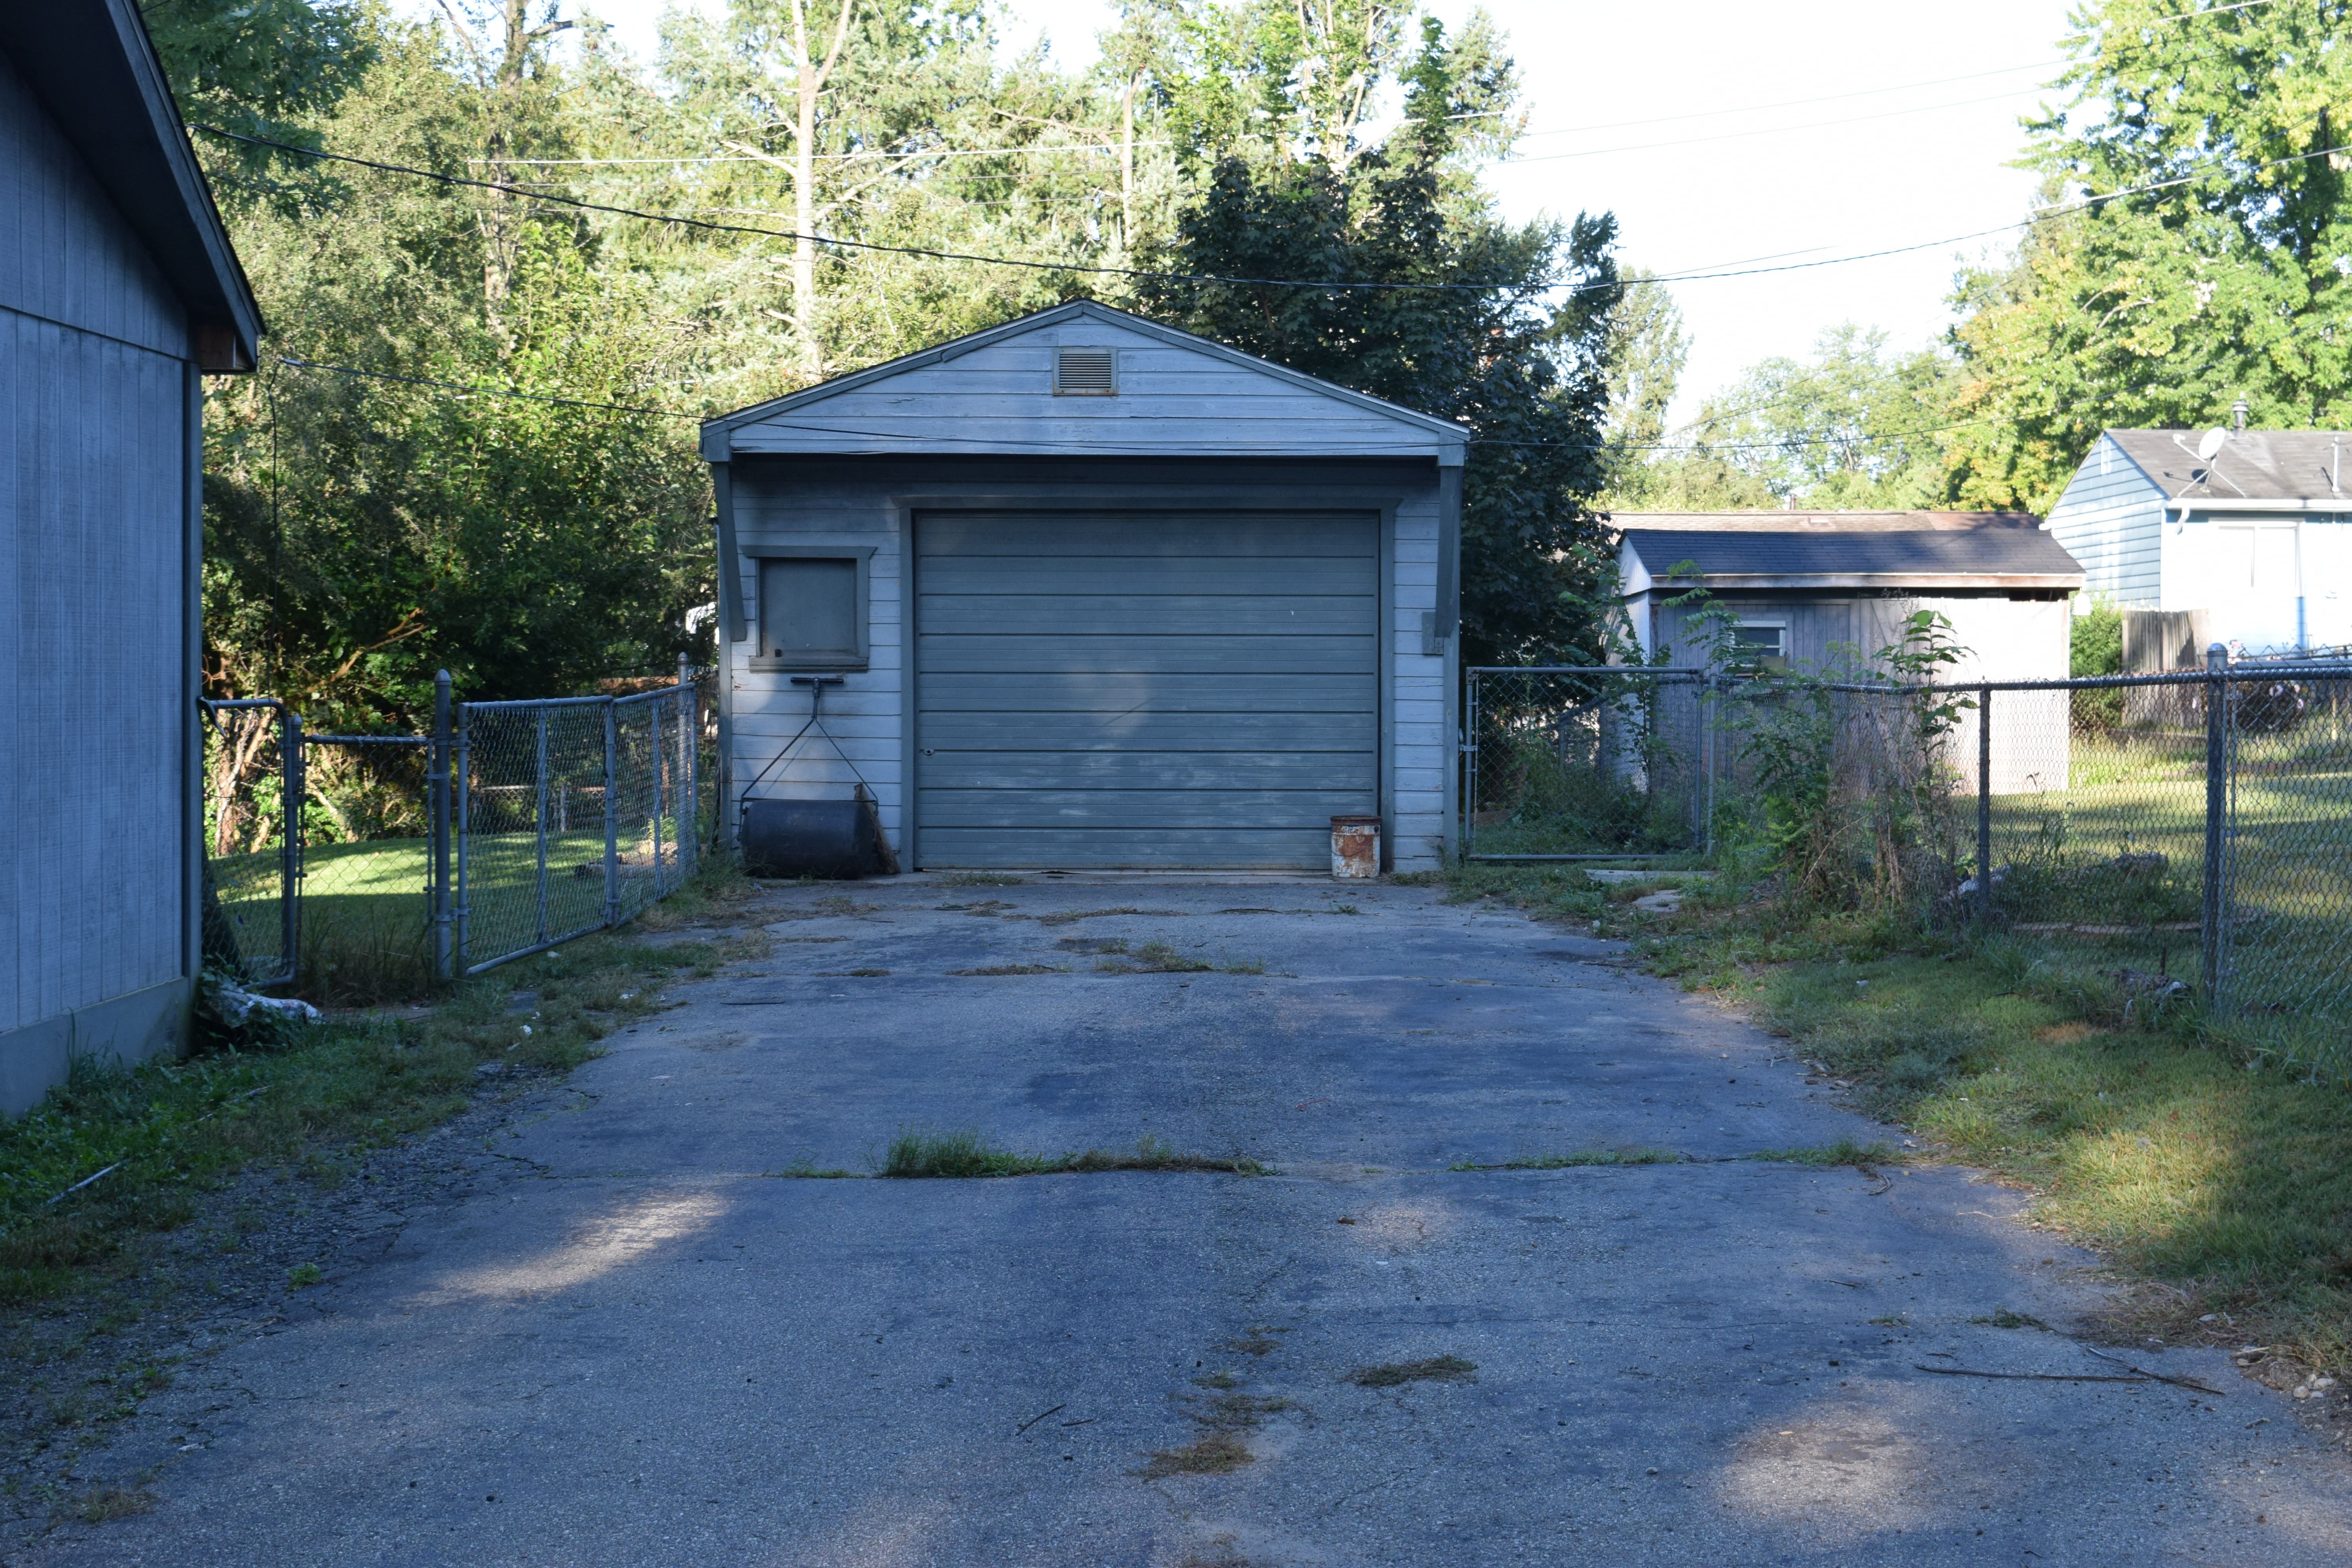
{"type": "Point", "coordinates": [838, 840]}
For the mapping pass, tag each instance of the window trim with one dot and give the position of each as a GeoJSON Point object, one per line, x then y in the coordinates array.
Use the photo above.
{"type": "Point", "coordinates": [862, 554]}
{"type": "Point", "coordinates": [1758, 659]}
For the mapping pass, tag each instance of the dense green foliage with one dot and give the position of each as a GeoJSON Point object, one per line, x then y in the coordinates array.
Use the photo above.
{"type": "Point", "coordinates": [1482, 346]}
{"type": "Point", "coordinates": [371, 523]}
{"type": "Point", "coordinates": [2216, 274]}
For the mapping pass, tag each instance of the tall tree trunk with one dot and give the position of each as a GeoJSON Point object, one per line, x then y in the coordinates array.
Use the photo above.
{"type": "Point", "coordinates": [810, 77]}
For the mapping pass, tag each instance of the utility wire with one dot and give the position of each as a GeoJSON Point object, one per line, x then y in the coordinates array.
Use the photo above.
{"type": "Point", "coordinates": [1098, 270]}
{"type": "Point", "coordinates": [477, 389]}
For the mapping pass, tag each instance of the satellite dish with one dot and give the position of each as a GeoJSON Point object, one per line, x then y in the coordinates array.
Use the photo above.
{"type": "Point", "coordinates": [2210, 447]}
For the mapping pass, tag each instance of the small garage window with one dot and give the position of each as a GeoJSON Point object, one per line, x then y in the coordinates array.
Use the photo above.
{"type": "Point", "coordinates": [812, 611]}
{"type": "Point", "coordinates": [1761, 645]}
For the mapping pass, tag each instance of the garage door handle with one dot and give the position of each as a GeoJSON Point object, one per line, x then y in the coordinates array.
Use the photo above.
{"type": "Point", "coordinates": [925, 753]}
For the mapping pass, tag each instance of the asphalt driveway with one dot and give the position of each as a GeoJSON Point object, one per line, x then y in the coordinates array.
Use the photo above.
{"type": "Point", "coordinates": [652, 1343]}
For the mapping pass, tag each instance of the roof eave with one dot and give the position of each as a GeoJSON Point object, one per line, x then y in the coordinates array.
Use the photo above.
{"type": "Point", "coordinates": [1922, 581]}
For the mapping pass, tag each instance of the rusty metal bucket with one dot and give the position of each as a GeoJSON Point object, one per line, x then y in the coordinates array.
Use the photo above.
{"type": "Point", "coordinates": [1355, 847]}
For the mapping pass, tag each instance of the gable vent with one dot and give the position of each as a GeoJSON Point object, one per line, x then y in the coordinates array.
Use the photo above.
{"type": "Point", "coordinates": [1085, 373]}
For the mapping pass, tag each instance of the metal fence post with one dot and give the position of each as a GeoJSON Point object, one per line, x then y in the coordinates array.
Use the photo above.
{"type": "Point", "coordinates": [290, 853]}
{"type": "Point", "coordinates": [462, 763]}
{"type": "Point", "coordinates": [540, 817]}
{"type": "Point", "coordinates": [658, 762]}
{"type": "Point", "coordinates": [2217, 794]}
{"type": "Point", "coordinates": [437, 782]}
{"type": "Point", "coordinates": [1984, 800]}
{"type": "Point", "coordinates": [689, 841]}
{"type": "Point", "coordinates": [1470, 768]}
{"type": "Point", "coordinates": [612, 817]}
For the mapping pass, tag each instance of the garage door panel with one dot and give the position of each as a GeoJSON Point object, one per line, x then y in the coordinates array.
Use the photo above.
{"type": "Point", "coordinates": [1022, 771]}
{"type": "Point", "coordinates": [1143, 689]}
{"type": "Point", "coordinates": [1090, 808]}
{"type": "Point", "coordinates": [1136, 615]}
{"type": "Point", "coordinates": [1142, 535]}
{"type": "Point", "coordinates": [986, 848]}
{"type": "Point", "coordinates": [1130, 732]}
{"type": "Point", "coordinates": [1025, 655]}
{"type": "Point", "coordinates": [1175, 575]}
{"type": "Point", "coordinates": [956, 694]}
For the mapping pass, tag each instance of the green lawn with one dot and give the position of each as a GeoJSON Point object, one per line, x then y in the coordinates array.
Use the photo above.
{"type": "Point", "coordinates": [365, 913]}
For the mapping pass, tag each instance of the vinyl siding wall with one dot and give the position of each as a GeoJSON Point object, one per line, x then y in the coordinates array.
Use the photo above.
{"type": "Point", "coordinates": [850, 502]}
{"type": "Point", "coordinates": [2111, 519]}
{"type": "Point", "coordinates": [93, 453]}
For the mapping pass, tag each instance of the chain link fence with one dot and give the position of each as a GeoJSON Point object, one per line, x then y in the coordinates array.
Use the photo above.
{"type": "Point", "coordinates": [368, 867]}
{"type": "Point", "coordinates": [2192, 827]}
{"type": "Point", "coordinates": [1586, 763]}
{"type": "Point", "coordinates": [574, 813]}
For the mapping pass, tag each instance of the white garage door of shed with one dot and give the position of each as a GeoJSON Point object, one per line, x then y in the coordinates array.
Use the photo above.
{"type": "Point", "coordinates": [1144, 688]}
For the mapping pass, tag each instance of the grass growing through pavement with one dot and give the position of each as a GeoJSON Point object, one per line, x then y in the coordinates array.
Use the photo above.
{"type": "Point", "coordinates": [1438, 1368]}
{"type": "Point", "coordinates": [166, 1131]}
{"type": "Point", "coordinates": [2225, 1185]}
{"type": "Point", "coordinates": [1844, 1152]}
{"type": "Point", "coordinates": [1577, 1157]}
{"type": "Point", "coordinates": [964, 1154]}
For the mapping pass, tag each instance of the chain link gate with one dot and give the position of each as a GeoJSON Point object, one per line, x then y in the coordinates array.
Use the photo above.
{"type": "Point", "coordinates": [375, 866]}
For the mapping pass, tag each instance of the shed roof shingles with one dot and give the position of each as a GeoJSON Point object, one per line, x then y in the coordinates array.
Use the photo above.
{"type": "Point", "coordinates": [2252, 465]}
{"type": "Point", "coordinates": [1941, 555]}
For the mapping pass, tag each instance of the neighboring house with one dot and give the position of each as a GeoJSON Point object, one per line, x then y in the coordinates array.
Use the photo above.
{"type": "Point", "coordinates": [2253, 547]}
{"type": "Point", "coordinates": [1799, 589]}
{"type": "Point", "coordinates": [118, 290]}
{"type": "Point", "coordinates": [1101, 594]}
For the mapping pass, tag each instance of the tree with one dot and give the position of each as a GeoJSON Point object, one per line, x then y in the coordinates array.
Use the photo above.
{"type": "Point", "coordinates": [1646, 351]}
{"type": "Point", "coordinates": [1479, 344]}
{"type": "Point", "coordinates": [259, 68]}
{"type": "Point", "coordinates": [2205, 264]}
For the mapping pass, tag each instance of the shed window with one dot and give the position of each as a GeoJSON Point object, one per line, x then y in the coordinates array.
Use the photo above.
{"type": "Point", "coordinates": [1761, 645]}
{"type": "Point", "coordinates": [808, 612]}
{"type": "Point", "coordinates": [1085, 372]}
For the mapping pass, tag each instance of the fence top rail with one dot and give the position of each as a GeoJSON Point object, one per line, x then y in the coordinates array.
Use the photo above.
{"type": "Point", "coordinates": [367, 740]}
{"type": "Point", "coordinates": [224, 704]}
{"type": "Point", "coordinates": [2237, 674]}
{"type": "Point", "coordinates": [1658, 672]}
{"type": "Point", "coordinates": [512, 704]}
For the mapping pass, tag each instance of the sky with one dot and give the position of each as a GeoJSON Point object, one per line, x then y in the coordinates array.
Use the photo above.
{"type": "Point", "coordinates": [1692, 124]}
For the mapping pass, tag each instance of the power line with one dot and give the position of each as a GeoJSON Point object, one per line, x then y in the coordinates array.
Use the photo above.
{"type": "Point", "coordinates": [1098, 270]}
{"type": "Point", "coordinates": [930, 253]}
{"type": "Point", "coordinates": [479, 389]}
{"type": "Point", "coordinates": [837, 157]}
{"type": "Point", "coordinates": [1760, 131]}
{"type": "Point", "coordinates": [1787, 103]}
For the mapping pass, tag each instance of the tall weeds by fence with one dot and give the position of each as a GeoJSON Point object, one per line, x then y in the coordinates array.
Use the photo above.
{"type": "Point", "coordinates": [2192, 832]}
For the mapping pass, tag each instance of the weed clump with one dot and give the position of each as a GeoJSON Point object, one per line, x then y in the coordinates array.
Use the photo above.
{"type": "Point", "coordinates": [1211, 1454]}
{"type": "Point", "coordinates": [1864, 1157]}
{"type": "Point", "coordinates": [963, 1154]}
{"type": "Point", "coordinates": [1437, 1368]}
{"type": "Point", "coordinates": [1577, 1157]}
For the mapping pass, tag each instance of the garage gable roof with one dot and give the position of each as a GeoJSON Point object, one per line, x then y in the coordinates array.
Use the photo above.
{"type": "Point", "coordinates": [93, 68]}
{"type": "Point", "coordinates": [1171, 393]}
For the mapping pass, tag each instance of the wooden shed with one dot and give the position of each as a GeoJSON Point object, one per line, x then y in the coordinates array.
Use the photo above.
{"type": "Point", "coordinates": [1099, 594]}
{"type": "Point", "coordinates": [1801, 588]}
{"type": "Point", "coordinates": [118, 288]}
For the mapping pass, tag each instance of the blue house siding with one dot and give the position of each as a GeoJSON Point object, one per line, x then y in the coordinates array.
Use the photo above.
{"type": "Point", "coordinates": [2111, 519]}
{"type": "Point", "coordinates": [116, 281]}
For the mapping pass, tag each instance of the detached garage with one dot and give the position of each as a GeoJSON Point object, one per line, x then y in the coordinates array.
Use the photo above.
{"type": "Point", "coordinates": [1087, 591]}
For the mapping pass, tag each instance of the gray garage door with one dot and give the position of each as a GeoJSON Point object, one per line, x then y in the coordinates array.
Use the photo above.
{"type": "Point", "coordinates": [1143, 689]}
